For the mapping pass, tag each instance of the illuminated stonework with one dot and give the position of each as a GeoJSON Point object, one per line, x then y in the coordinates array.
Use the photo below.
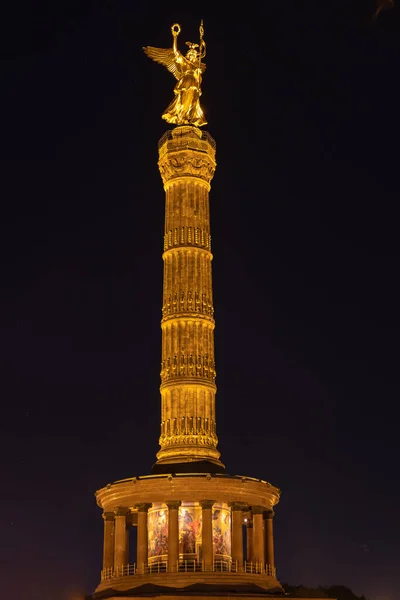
{"type": "Point", "coordinates": [188, 427]}
{"type": "Point", "coordinates": [193, 521]}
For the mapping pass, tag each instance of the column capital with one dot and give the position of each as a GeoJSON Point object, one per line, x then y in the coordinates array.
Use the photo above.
{"type": "Point", "coordinates": [121, 511]}
{"type": "Point", "coordinates": [269, 514]}
{"type": "Point", "coordinates": [143, 506]}
{"type": "Point", "coordinates": [258, 510]}
{"type": "Point", "coordinates": [108, 516]}
{"type": "Point", "coordinates": [173, 504]}
{"type": "Point", "coordinates": [238, 506]}
{"type": "Point", "coordinates": [207, 503]}
{"type": "Point", "coordinates": [186, 152]}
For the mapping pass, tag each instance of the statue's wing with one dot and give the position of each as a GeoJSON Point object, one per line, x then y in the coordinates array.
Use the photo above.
{"type": "Point", "coordinates": [166, 57]}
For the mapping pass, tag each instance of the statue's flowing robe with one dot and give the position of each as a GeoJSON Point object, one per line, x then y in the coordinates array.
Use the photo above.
{"type": "Point", "coordinates": [185, 108]}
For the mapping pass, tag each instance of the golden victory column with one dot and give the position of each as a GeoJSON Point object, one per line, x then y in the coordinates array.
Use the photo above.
{"type": "Point", "coordinates": [187, 165]}
{"type": "Point", "coordinates": [200, 532]}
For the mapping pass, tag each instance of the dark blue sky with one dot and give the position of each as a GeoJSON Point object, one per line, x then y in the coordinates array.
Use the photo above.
{"type": "Point", "coordinates": [303, 103]}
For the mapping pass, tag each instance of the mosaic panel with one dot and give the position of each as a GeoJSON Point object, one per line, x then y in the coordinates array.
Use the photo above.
{"type": "Point", "coordinates": [189, 527]}
{"type": "Point", "coordinates": [157, 532]}
{"type": "Point", "coordinates": [221, 530]}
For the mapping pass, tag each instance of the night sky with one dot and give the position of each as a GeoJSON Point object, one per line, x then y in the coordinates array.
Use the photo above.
{"type": "Point", "coordinates": [303, 100]}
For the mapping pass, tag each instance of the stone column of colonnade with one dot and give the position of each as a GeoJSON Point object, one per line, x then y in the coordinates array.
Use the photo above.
{"type": "Point", "coordinates": [258, 534]}
{"type": "Point", "coordinates": [249, 541]}
{"type": "Point", "coordinates": [188, 427]}
{"type": "Point", "coordinates": [121, 547]}
{"type": "Point", "coordinates": [269, 538]}
{"type": "Point", "coordinates": [108, 543]}
{"type": "Point", "coordinates": [207, 535]}
{"type": "Point", "coordinates": [142, 537]}
{"type": "Point", "coordinates": [237, 534]}
{"type": "Point", "coordinates": [173, 534]}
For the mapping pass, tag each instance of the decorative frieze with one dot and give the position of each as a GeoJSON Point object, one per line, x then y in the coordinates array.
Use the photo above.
{"type": "Point", "coordinates": [187, 302]}
{"type": "Point", "coordinates": [186, 164]}
{"type": "Point", "coordinates": [188, 440]}
{"type": "Point", "coordinates": [188, 431]}
{"type": "Point", "coordinates": [188, 366]}
{"type": "Point", "coordinates": [187, 236]}
{"type": "Point", "coordinates": [188, 426]}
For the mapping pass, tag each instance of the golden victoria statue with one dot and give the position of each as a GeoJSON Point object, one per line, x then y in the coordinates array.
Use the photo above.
{"type": "Point", "coordinates": [185, 108]}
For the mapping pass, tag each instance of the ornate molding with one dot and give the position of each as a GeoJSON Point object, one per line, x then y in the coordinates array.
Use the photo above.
{"type": "Point", "coordinates": [186, 152]}
{"type": "Point", "coordinates": [189, 163]}
{"type": "Point", "coordinates": [186, 164]}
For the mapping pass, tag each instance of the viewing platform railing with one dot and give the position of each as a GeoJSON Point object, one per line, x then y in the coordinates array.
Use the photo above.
{"type": "Point", "coordinates": [189, 566]}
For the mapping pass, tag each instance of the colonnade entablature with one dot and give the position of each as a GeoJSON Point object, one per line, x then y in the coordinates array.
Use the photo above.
{"type": "Point", "coordinates": [187, 487]}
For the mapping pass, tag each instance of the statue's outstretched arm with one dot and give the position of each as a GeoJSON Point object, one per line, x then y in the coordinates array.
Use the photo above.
{"type": "Point", "coordinates": [175, 32]}
{"type": "Point", "coordinates": [169, 57]}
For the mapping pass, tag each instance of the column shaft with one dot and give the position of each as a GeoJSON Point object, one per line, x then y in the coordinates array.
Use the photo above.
{"type": "Point", "coordinates": [258, 535]}
{"type": "Point", "coordinates": [249, 542]}
{"type": "Point", "coordinates": [142, 537]}
{"type": "Point", "coordinates": [108, 545]}
{"type": "Point", "coordinates": [173, 535]}
{"type": "Point", "coordinates": [188, 427]}
{"type": "Point", "coordinates": [120, 556]}
{"type": "Point", "coordinates": [269, 539]}
{"type": "Point", "coordinates": [237, 536]}
{"type": "Point", "coordinates": [127, 544]}
{"type": "Point", "coordinates": [207, 535]}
